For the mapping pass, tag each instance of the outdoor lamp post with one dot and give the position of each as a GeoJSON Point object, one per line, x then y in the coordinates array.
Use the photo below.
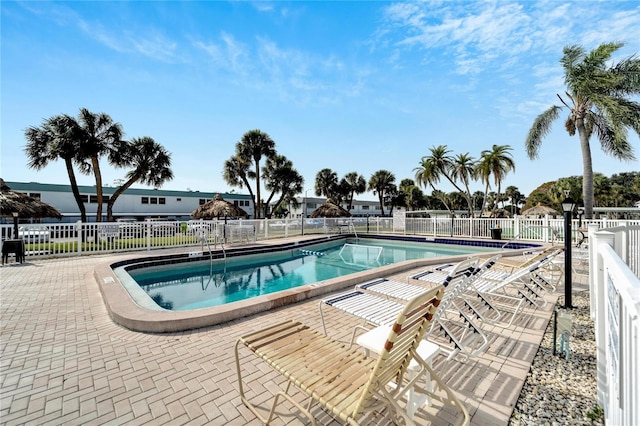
{"type": "Point", "coordinates": [568, 205]}
{"type": "Point", "coordinates": [15, 225]}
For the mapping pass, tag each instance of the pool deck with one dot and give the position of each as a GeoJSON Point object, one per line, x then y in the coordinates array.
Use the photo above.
{"type": "Point", "coordinates": [65, 361]}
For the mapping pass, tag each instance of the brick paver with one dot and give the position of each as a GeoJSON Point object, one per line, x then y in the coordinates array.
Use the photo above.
{"type": "Point", "coordinates": [64, 361]}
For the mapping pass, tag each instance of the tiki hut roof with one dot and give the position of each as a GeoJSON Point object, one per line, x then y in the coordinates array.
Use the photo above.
{"type": "Point", "coordinates": [330, 209]}
{"type": "Point", "coordinates": [27, 207]}
{"type": "Point", "coordinates": [539, 210]}
{"type": "Point", "coordinates": [216, 208]}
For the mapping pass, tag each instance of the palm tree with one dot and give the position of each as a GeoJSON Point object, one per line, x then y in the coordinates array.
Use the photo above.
{"type": "Point", "coordinates": [57, 138]}
{"type": "Point", "coordinates": [497, 162]}
{"type": "Point", "coordinates": [326, 183]}
{"type": "Point", "coordinates": [356, 184]}
{"type": "Point", "coordinates": [432, 168]}
{"type": "Point", "coordinates": [597, 98]}
{"type": "Point", "coordinates": [463, 168]}
{"type": "Point", "coordinates": [236, 172]}
{"type": "Point", "coordinates": [380, 182]}
{"type": "Point", "coordinates": [394, 198]}
{"type": "Point", "coordinates": [281, 177]}
{"type": "Point", "coordinates": [150, 161]}
{"type": "Point", "coordinates": [414, 197]}
{"type": "Point", "coordinates": [254, 145]}
{"type": "Point", "coordinates": [514, 195]}
{"type": "Point", "coordinates": [100, 134]}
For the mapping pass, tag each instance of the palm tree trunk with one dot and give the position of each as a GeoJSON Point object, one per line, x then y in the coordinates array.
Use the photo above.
{"type": "Point", "coordinates": [116, 194]}
{"type": "Point", "coordinates": [587, 170]}
{"type": "Point", "coordinates": [258, 211]}
{"type": "Point", "coordinates": [75, 190]}
{"type": "Point", "coordinates": [96, 172]}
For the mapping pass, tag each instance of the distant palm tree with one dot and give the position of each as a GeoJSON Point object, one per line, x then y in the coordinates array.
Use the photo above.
{"type": "Point", "coordinates": [438, 164]}
{"type": "Point", "coordinates": [381, 182]}
{"type": "Point", "coordinates": [150, 161]}
{"type": "Point", "coordinates": [100, 135]}
{"type": "Point", "coordinates": [254, 145]}
{"type": "Point", "coordinates": [236, 172]}
{"type": "Point", "coordinates": [496, 162]}
{"type": "Point", "coordinates": [57, 138]}
{"type": "Point", "coordinates": [393, 197]}
{"type": "Point", "coordinates": [280, 177]}
{"type": "Point", "coordinates": [356, 184]}
{"type": "Point", "coordinates": [326, 183]}
{"type": "Point", "coordinates": [515, 196]}
{"type": "Point", "coordinates": [597, 98]}
{"type": "Point", "coordinates": [463, 168]}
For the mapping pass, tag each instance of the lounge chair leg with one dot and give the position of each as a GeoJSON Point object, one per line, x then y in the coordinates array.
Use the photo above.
{"type": "Point", "coordinates": [284, 394]}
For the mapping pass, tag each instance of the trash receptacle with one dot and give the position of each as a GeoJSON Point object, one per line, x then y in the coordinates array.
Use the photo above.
{"type": "Point", "coordinates": [496, 233]}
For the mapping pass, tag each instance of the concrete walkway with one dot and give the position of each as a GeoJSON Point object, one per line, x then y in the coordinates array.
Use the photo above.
{"type": "Point", "coordinates": [64, 361]}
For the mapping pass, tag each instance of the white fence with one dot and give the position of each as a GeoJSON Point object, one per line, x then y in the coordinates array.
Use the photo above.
{"type": "Point", "coordinates": [614, 274]}
{"type": "Point", "coordinates": [65, 239]}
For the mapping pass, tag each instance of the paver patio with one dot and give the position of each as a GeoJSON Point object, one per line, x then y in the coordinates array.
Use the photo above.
{"type": "Point", "coordinates": [64, 361]}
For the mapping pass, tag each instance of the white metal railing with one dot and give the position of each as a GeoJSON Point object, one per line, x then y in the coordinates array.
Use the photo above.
{"type": "Point", "coordinates": [614, 280]}
{"type": "Point", "coordinates": [64, 239]}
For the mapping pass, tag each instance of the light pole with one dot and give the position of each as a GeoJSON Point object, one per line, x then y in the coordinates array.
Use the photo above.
{"type": "Point", "coordinates": [15, 225]}
{"type": "Point", "coordinates": [567, 208]}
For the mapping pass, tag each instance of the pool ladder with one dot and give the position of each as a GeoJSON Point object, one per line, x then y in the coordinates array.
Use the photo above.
{"type": "Point", "coordinates": [203, 239]}
{"type": "Point", "coordinates": [353, 227]}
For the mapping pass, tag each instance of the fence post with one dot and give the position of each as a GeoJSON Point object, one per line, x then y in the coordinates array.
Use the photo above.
{"type": "Point", "coordinates": [545, 226]}
{"type": "Point", "coordinates": [598, 291]}
{"type": "Point", "coordinates": [79, 231]}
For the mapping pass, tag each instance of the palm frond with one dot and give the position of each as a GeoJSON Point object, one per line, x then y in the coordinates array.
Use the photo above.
{"type": "Point", "coordinates": [612, 135]}
{"type": "Point", "coordinates": [628, 73]}
{"type": "Point", "coordinates": [541, 127]}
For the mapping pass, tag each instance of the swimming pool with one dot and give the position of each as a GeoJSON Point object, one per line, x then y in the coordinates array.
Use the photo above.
{"type": "Point", "coordinates": [196, 285]}
{"type": "Point", "coordinates": [133, 307]}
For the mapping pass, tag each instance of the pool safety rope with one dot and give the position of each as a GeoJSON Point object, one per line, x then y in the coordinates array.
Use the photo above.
{"type": "Point", "coordinates": [312, 253]}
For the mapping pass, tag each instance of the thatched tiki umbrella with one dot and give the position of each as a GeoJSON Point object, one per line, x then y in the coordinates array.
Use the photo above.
{"type": "Point", "coordinates": [18, 205]}
{"type": "Point", "coordinates": [217, 207]}
{"type": "Point", "coordinates": [330, 209]}
{"type": "Point", "coordinates": [539, 210]}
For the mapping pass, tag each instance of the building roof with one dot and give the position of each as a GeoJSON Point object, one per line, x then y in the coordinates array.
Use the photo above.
{"type": "Point", "coordinates": [108, 190]}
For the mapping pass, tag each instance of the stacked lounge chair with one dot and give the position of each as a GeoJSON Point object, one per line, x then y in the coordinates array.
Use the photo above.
{"type": "Point", "coordinates": [377, 302]}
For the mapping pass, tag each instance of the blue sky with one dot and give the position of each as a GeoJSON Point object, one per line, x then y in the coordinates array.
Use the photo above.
{"type": "Point", "coordinates": [351, 86]}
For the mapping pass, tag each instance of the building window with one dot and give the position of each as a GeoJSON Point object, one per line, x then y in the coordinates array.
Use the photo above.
{"type": "Point", "coordinates": [145, 200]}
{"type": "Point", "coordinates": [93, 199]}
{"type": "Point", "coordinates": [178, 199]}
{"type": "Point", "coordinates": [201, 201]}
{"type": "Point", "coordinates": [153, 200]}
{"type": "Point", "coordinates": [35, 195]}
{"type": "Point", "coordinates": [105, 198]}
{"type": "Point", "coordinates": [84, 198]}
{"type": "Point", "coordinates": [162, 200]}
{"type": "Point", "coordinates": [365, 207]}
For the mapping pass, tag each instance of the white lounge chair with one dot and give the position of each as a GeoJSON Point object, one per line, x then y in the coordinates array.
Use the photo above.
{"type": "Point", "coordinates": [378, 301]}
{"type": "Point", "coordinates": [443, 274]}
{"type": "Point", "coordinates": [525, 285]}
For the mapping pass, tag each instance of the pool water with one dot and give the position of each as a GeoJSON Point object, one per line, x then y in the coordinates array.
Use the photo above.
{"type": "Point", "coordinates": [195, 285]}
